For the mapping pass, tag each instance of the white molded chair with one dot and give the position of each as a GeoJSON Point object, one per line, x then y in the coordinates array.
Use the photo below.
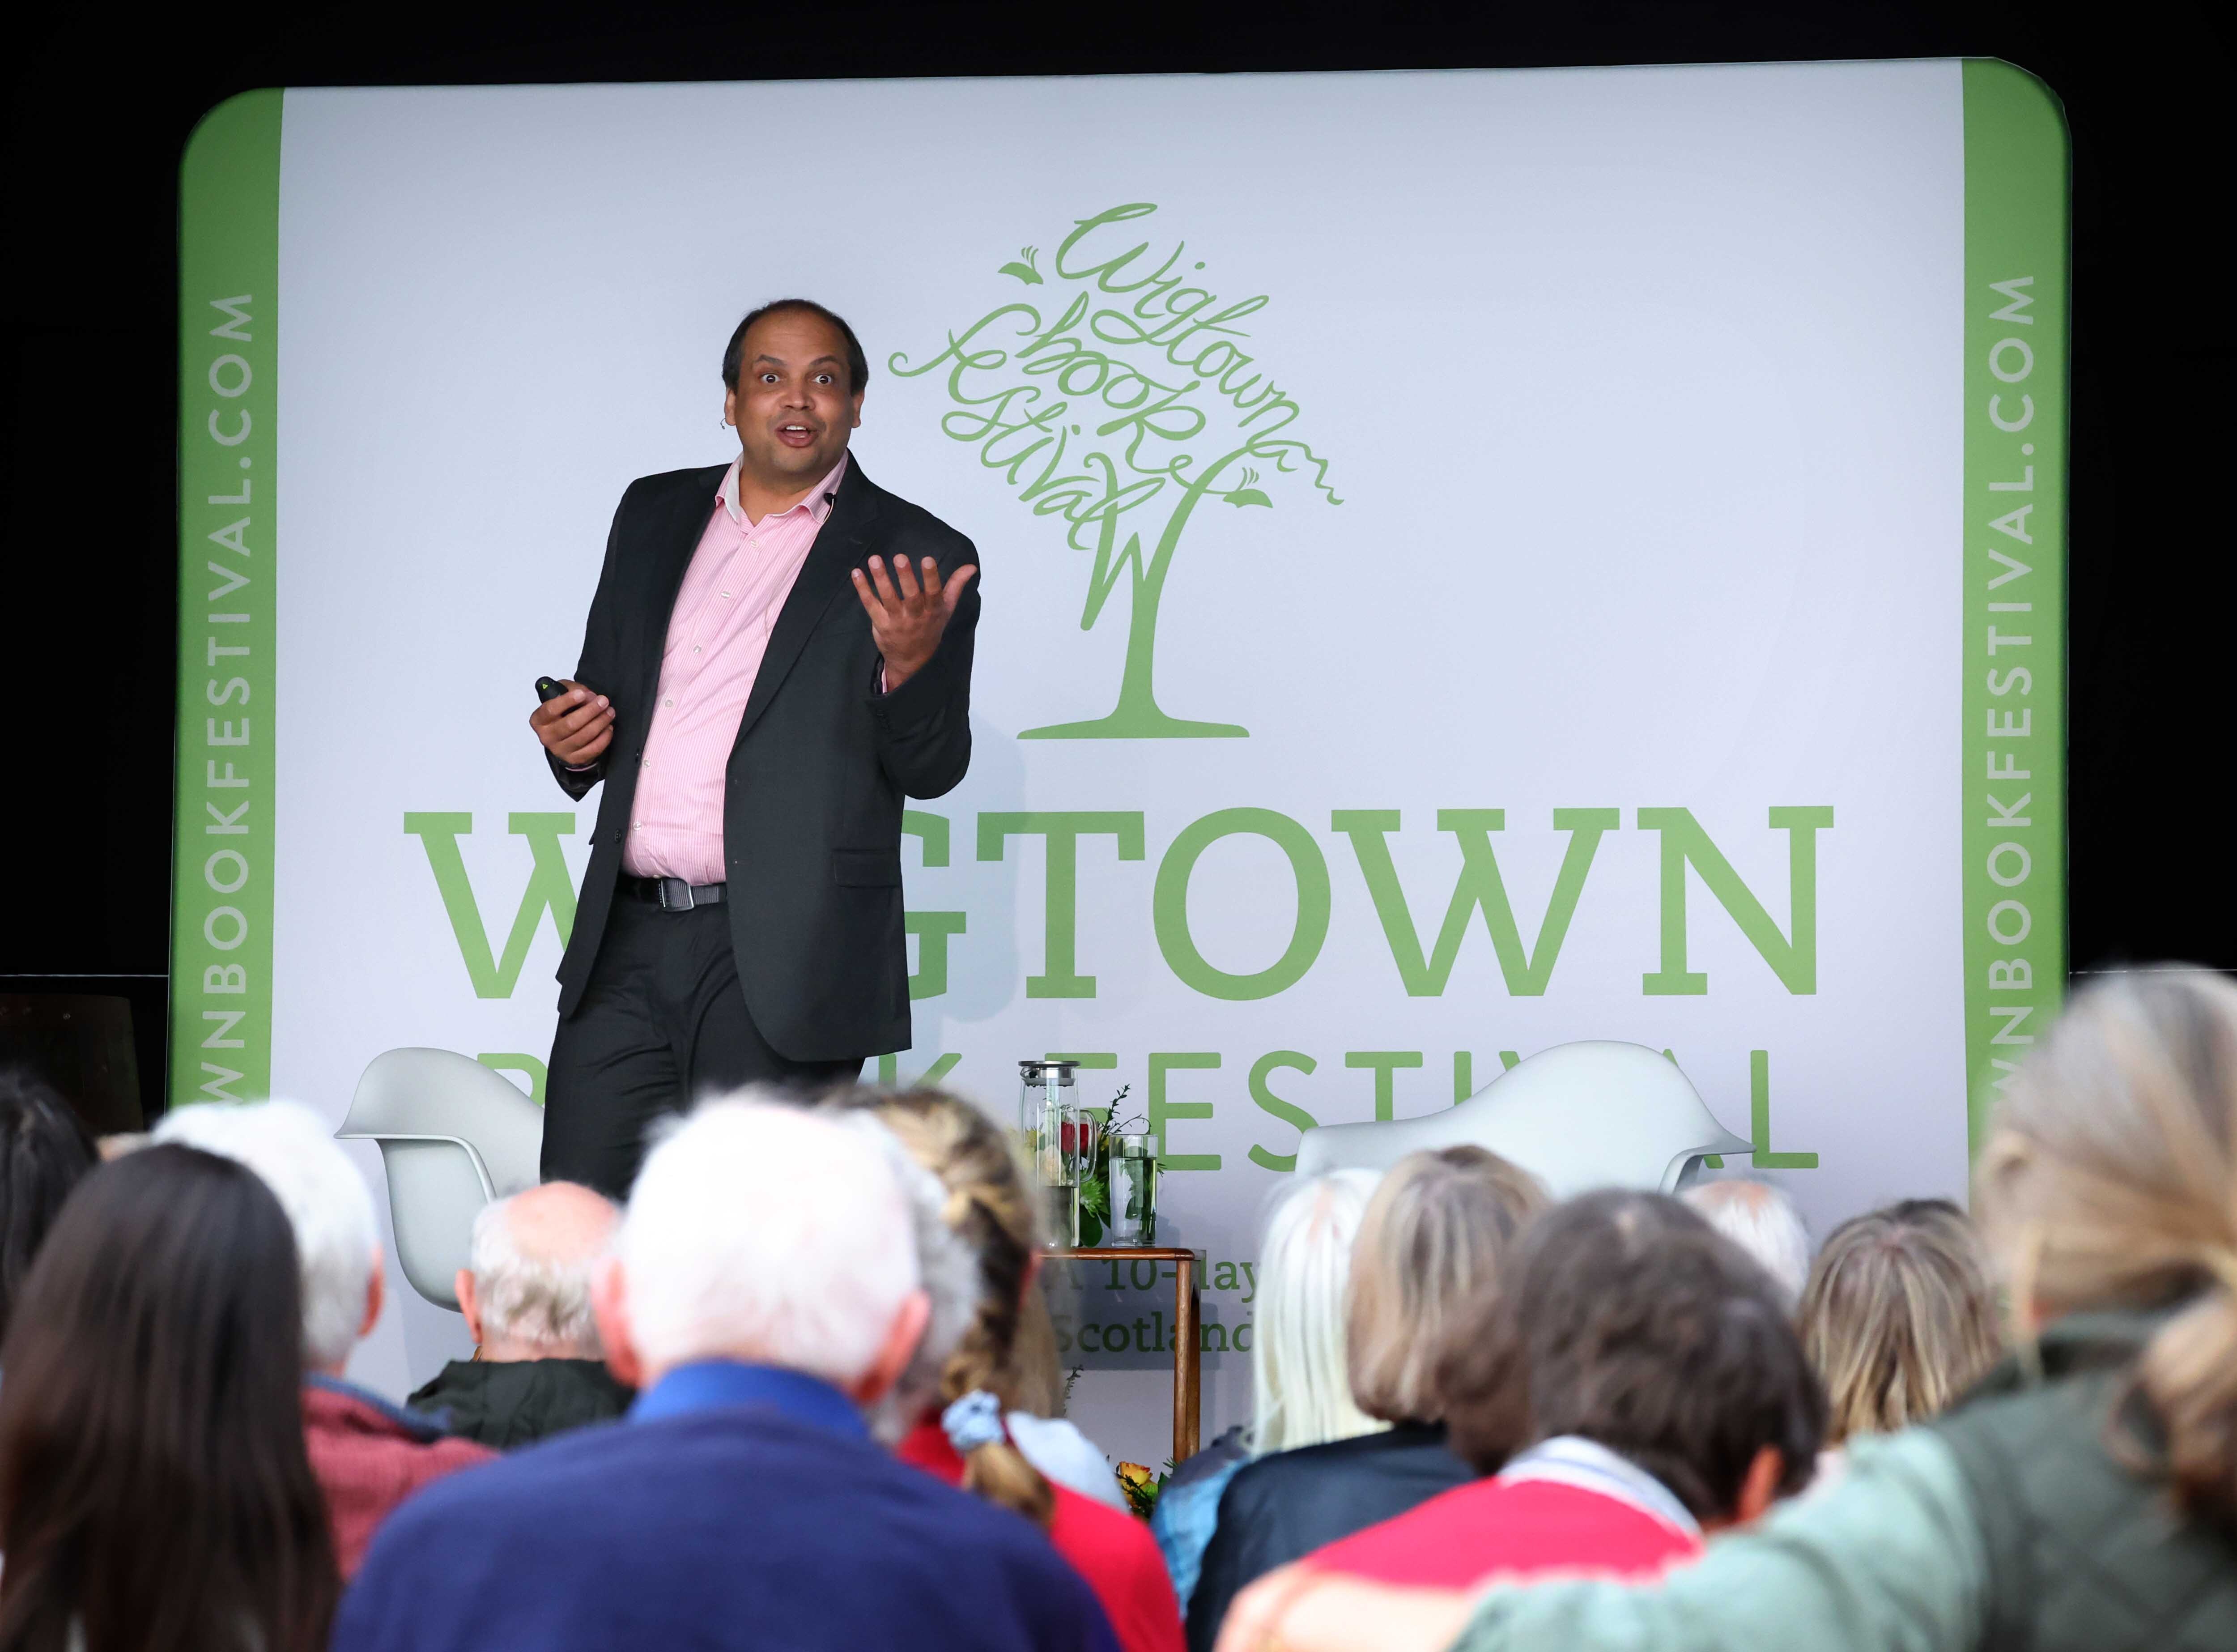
{"type": "Point", "coordinates": [455, 1136]}
{"type": "Point", "coordinates": [1596, 1114]}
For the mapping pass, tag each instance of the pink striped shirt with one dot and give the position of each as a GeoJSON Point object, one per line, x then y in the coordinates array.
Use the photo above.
{"type": "Point", "coordinates": [725, 609]}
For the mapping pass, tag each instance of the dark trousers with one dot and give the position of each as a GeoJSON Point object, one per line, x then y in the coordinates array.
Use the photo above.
{"type": "Point", "coordinates": [662, 1024]}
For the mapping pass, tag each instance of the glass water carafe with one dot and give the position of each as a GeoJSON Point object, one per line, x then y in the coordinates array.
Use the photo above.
{"type": "Point", "coordinates": [1056, 1136]}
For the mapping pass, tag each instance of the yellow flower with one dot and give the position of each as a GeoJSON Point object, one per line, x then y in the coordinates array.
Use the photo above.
{"type": "Point", "coordinates": [1141, 1484]}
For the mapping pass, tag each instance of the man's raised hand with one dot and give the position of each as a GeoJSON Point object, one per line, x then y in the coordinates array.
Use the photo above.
{"type": "Point", "coordinates": [574, 727]}
{"type": "Point", "coordinates": [908, 614]}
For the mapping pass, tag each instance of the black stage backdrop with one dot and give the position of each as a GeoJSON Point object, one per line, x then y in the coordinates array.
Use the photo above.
{"type": "Point", "coordinates": [99, 108]}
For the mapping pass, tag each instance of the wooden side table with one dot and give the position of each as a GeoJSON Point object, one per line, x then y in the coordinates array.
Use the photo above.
{"type": "Point", "coordinates": [1188, 1392]}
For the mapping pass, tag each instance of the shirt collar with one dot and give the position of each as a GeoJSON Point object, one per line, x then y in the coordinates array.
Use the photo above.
{"type": "Point", "coordinates": [1574, 1460]}
{"type": "Point", "coordinates": [423, 1426]}
{"type": "Point", "coordinates": [816, 506]}
{"type": "Point", "coordinates": [712, 1384]}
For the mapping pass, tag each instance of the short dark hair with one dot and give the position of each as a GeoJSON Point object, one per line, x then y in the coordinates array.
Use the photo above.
{"type": "Point", "coordinates": [45, 1151]}
{"type": "Point", "coordinates": [1630, 1321]}
{"type": "Point", "coordinates": [858, 366]}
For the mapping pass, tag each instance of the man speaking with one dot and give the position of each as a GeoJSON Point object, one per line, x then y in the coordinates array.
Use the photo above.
{"type": "Point", "coordinates": [778, 652]}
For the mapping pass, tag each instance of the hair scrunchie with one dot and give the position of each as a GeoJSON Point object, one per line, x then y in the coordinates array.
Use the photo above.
{"type": "Point", "coordinates": [973, 1421]}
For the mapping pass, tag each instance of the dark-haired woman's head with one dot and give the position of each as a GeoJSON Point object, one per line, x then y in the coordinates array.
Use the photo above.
{"type": "Point", "coordinates": [44, 1151]}
{"type": "Point", "coordinates": [155, 1493]}
{"type": "Point", "coordinates": [1629, 1321]}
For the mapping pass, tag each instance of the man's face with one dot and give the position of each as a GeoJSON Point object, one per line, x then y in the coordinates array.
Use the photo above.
{"type": "Point", "coordinates": [793, 405]}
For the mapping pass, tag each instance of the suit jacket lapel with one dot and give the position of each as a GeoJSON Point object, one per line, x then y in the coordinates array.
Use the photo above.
{"type": "Point", "coordinates": [672, 546]}
{"type": "Point", "coordinates": [840, 545]}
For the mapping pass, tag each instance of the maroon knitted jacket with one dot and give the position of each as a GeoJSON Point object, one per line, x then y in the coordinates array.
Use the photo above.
{"type": "Point", "coordinates": [369, 1456]}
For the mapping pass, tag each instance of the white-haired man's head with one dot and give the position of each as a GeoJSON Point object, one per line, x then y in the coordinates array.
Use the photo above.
{"type": "Point", "coordinates": [760, 1231]}
{"type": "Point", "coordinates": [337, 1243]}
{"type": "Point", "coordinates": [1761, 1220]}
{"type": "Point", "coordinates": [526, 1291]}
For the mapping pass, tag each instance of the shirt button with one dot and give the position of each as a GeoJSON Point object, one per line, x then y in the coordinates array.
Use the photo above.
{"type": "Point", "coordinates": [725, 596]}
{"type": "Point", "coordinates": [695, 648]}
{"type": "Point", "coordinates": [668, 702]}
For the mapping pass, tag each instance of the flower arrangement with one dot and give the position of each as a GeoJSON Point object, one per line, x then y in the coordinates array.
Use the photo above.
{"type": "Point", "coordinates": [1142, 1490]}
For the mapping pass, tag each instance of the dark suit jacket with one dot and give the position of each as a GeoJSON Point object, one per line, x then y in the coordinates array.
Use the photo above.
{"type": "Point", "coordinates": [733, 1527]}
{"type": "Point", "coordinates": [813, 796]}
{"type": "Point", "coordinates": [504, 1404]}
{"type": "Point", "coordinates": [1283, 1507]}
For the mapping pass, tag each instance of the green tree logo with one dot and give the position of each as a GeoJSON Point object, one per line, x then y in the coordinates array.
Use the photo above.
{"type": "Point", "coordinates": [1121, 400]}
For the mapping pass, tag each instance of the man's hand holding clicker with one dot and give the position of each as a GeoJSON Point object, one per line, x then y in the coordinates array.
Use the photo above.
{"type": "Point", "coordinates": [908, 614]}
{"type": "Point", "coordinates": [574, 727]}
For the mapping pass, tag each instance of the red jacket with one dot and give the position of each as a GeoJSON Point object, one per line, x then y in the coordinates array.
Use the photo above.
{"type": "Point", "coordinates": [1462, 1536]}
{"type": "Point", "coordinates": [369, 1456]}
{"type": "Point", "coordinates": [1115, 1552]}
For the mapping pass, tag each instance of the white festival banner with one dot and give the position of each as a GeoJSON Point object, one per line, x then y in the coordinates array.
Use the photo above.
{"type": "Point", "coordinates": [1471, 562]}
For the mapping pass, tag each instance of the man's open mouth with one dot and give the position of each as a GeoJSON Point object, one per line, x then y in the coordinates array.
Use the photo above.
{"type": "Point", "coordinates": [795, 435]}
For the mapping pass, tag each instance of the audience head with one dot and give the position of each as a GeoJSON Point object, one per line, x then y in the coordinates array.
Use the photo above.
{"type": "Point", "coordinates": [527, 1294]}
{"type": "Point", "coordinates": [1628, 1320]}
{"type": "Point", "coordinates": [337, 1245]}
{"type": "Point", "coordinates": [1762, 1220]}
{"type": "Point", "coordinates": [947, 1271]}
{"type": "Point", "coordinates": [1899, 1317]}
{"type": "Point", "coordinates": [1300, 1386]}
{"type": "Point", "coordinates": [760, 1231]}
{"type": "Point", "coordinates": [2109, 1180]}
{"type": "Point", "coordinates": [991, 1206]}
{"type": "Point", "coordinates": [1440, 1225]}
{"type": "Point", "coordinates": [155, 1488]}
{"type": "Point", "coordinates": [44, 1151]}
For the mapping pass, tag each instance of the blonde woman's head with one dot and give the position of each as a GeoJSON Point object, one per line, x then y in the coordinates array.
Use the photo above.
{"type": "Point", "coordinates": [1899, 1316]}
{"type": "Point", "coordinates": [1441, 1226]}
{"type": "Point", "coordinates": [990, 1206]}
{"type": "Point", "coordinates": [1301, 1390]}
{"type": "Point", "coordinates": [2109, 1180]}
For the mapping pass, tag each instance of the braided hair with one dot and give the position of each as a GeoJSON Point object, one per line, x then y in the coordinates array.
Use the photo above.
{"type": "Point", "coordinates": [989, 1206]}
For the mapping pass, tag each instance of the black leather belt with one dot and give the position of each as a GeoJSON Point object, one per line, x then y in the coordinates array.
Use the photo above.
{"type": "Point", "coordinates": [671, 894]}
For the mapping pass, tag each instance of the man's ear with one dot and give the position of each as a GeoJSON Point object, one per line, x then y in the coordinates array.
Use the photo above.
{"type": "Point", "coordinates": [376, 1294]}
{"type": "Point", "coordinates": [857, 423]}
{"type": "Point", "coordinates": [731, 405]}
{"type": "Point", "coordinates": [610, 1306]}
{"type": "Point", "coordinates": [894, 1354]}
{"type": "Point", "coordinates": [462, 1283]}
{"type": "Point", "coordinates": [1760, 1487]}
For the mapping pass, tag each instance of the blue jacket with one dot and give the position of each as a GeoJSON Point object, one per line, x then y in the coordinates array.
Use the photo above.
{"type": "Point", "coordinates": [735, 1507]}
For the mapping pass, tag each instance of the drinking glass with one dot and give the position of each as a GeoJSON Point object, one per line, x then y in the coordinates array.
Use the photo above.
{"type": "Point", "coordinates": [1133, 1160]}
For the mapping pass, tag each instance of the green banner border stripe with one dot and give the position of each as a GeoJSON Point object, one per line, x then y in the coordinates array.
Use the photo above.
{"type": "Point", "coordinates": [2014, 788]}
{"type": "Point", "coordinates": [221, 841]}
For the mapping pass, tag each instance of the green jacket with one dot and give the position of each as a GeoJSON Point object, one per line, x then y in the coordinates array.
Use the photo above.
{"type": "Point", "coordinates": [504, 1404]}
{"type": "Point", "coordinates": [2008, 1523]}
{"type": "Point", "coordinates": [2083, 1551]}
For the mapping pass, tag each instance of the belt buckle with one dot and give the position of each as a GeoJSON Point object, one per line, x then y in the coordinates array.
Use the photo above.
{"type": "Point", "coordinates": [682, 888]}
